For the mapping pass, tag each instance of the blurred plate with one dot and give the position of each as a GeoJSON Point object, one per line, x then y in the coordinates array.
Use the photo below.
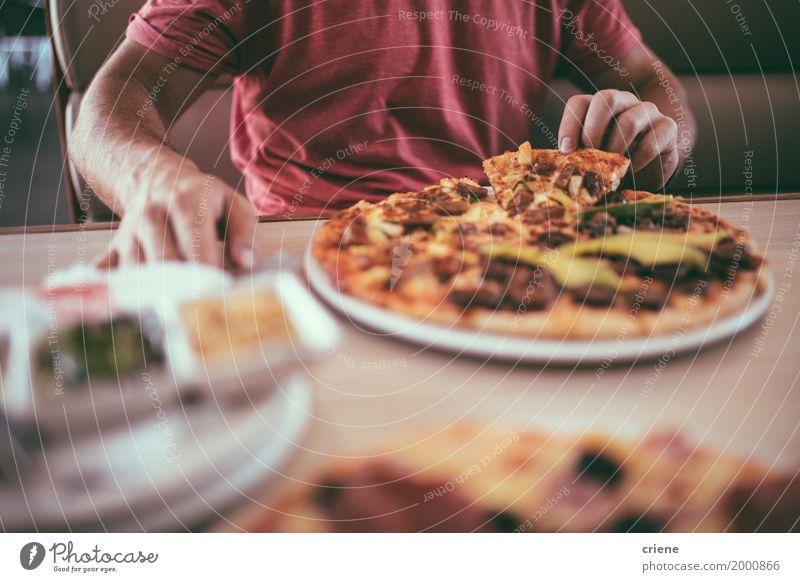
{"type": "Point", "coordinates": [142, 287]}
{"type": "Point", "coordinates": [181, 467]}
{"type": "Point", "coordinates": [305, 331]}
{"type": "Point", "coordinates": [533, 350]}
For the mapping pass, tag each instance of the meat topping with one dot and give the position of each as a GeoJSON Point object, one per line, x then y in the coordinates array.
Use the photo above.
{"type": "Point", "coordinates": [729, 257]}
{"type": "Point", "coordinates": [554, 238]}
{"type": "Point", "coordinates": [594, 184]}
{"type": "Point", "coordinates": [562, 180]}
{"type": "Point", "coordinates": [471, 192]}
{"type": "Point", "coordinates": [594, 295]}
{"type": "Point", "coordinates": [543, 167]}
{"type": "Point", "coordinates": [547, 213]}
{"type": "Point", "coordinates": [488, 294]}
{"type": "Point", "coordinates": [615, 197]}
{"type": "Point", "coordinates": [599, 224]}
{"type": "Point", "coordinates": [521, 200]}
{"type": "Point", "coordinates": [499, 229]}
{"type": "Point", "coordinates": [671, 218]}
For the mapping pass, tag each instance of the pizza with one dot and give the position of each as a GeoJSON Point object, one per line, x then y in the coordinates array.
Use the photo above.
{"type": "Point", "coordinates": [554, 250]}
{"type": "Point", "coordinates": [583, 176]}
{"type": "Point", "coordinates": [468, 478]}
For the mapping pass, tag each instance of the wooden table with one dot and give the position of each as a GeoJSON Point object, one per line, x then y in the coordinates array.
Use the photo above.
{"type": "Point", "coordinates": [734, 395]}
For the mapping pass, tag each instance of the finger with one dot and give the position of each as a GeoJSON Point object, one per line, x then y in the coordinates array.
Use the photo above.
{"type": "Point", "coordinates": [631, 124]}
{"type": "Point", "coordinates": [107, 260]}
{"type": "Point", "coordinates": [659, 140]}
{"type": "Point", "coordinates": [130, 253]}
{"type": "Point", "coordinates": [569, 131]}
{"type": "Point", "coordinates": [602, 109]}
{"type": "Point", "coordinates": [240, 232]}
{"type": "Point", "coordinates": [195, 232]}
{"type": "Point", "coordinates": [155, 235]}
{"type": "Point", "coordinates": [657, 172]}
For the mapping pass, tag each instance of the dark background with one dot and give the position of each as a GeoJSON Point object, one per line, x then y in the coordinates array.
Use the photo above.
{"type": "Point", "coordinates": [35, 191]}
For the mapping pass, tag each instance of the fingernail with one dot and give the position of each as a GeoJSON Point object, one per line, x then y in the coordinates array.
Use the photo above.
{"type": "Point", "coordinates": [246, 258]}
{"type": "Point", "coordinates": [566, 145]}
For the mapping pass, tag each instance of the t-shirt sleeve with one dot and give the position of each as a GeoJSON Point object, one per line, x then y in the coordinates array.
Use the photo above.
{"type": "Point", "coordinates": [596, 34]}
{"type": "Point", "coordinates": [200, 34]}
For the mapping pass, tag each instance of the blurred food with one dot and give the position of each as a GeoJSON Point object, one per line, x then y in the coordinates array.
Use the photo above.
{"type": "Point", "coordinates": [467, 478]}
{"type": "Point", "coordinates": [98, 350]}
{"type": "Point", "coordinates": [227, 327]}
{"type": "Point", "coordinates": [107, 382]}
{"type": "Point", "coordinates": [769, 506]}
{"type": "Point", "coordinates": [381, 497]}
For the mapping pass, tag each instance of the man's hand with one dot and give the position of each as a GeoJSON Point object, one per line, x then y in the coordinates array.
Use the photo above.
{"type": "Point", "coordinates": [180, 218]}
{"type": "Point", "coordinates": [644, 114]}
{"type": "Point", "coordinates": [170, 209]}
{"type": "Point", "coordinates": [616, 121]}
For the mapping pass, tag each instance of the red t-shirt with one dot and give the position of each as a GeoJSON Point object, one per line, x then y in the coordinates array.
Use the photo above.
{"type": "Point", "coordinates": [337, 101]}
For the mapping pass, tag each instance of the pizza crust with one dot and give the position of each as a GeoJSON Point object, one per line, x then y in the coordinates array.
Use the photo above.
{"type": "Point", "coordinates": [568, 319]}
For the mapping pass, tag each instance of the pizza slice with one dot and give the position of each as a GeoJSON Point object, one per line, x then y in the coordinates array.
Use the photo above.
{"type": "Point", "coordinates": [545, 177]}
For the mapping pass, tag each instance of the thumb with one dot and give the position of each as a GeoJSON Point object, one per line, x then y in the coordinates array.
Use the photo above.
{"type": "Point", "coordinates": [240, 232]}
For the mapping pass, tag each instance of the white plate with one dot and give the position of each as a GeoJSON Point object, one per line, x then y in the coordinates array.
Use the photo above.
{"type": "Point", "coordinates": [146, 286]}
{"type": "Point", "coordinates": [121, 480]}
{"type": "Point", "coordinates": [511, 347]}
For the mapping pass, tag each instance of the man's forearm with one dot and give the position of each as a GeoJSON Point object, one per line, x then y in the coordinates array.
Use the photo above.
{"type": "Point", "coordinates": [119, 145]}
{"type": "Point", "coordinates": [170, 210]}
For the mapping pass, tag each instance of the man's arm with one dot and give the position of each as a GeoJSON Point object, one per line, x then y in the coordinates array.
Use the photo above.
{"type": "Point", "coordinates": [643, 114]}
{"type": "Point", "coordinates": [170, 209]}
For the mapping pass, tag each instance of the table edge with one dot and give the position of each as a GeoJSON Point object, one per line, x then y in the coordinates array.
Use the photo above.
{"type": "Point", "coordinates": [93, 226]}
